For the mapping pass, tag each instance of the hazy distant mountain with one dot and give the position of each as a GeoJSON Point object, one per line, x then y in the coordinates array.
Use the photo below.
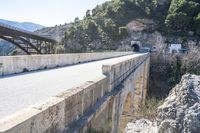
{"type": "Point", "coordinates": [23, 25]}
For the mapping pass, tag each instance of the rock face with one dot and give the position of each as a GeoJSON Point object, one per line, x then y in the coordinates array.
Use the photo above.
{"type": "Point", "coordinates": [181, 109]}
{"type": "Point", "coordinates": [141, 25]}
{"type": "Point", "coordinates": [180, 112]}
{"type": "Point", "coordinates": [141, 126]}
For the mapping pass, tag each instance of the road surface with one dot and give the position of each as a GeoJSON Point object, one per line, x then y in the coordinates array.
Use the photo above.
{"type": "Point", "coordinates": [23, 90]}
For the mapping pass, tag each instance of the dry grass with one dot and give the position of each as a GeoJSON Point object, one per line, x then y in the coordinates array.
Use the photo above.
{"type": "Point", "coordinates": [149, 110]}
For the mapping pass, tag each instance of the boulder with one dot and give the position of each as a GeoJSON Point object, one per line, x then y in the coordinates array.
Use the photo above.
{"type": "Point", "coordinates": [141, 126]}
{"type": "Point", "coordinates": [180, 111]}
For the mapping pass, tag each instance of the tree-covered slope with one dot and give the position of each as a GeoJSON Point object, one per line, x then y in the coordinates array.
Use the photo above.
{"type": "Point", "coordinates": [101, 27]}
{"type": "Point", "coordinates": [184, 15]}
{"type": "Point", "coordinates": [106, 24]}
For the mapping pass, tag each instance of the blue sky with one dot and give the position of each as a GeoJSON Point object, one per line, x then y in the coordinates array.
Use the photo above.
{"type": "Point", "coordinates": [45, 12]}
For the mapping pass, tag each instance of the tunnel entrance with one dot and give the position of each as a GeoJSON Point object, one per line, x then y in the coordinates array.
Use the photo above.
{"type": "Point", "coordinates": [136, 47]}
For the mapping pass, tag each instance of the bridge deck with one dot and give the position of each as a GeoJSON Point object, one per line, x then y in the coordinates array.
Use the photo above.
{"type": "Point", "coordinates": [23, 90]}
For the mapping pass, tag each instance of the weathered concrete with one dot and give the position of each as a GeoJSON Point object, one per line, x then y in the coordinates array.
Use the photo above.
{"type": "Point", "coordinates": [108, 114]}
{"type": "Point", "coordinates": [98, 105]}
{"type": "Point", "coordinates": [46, 117]}
{"type": "Point", "coordinates": [18, 64]}
{"type": "Point", "coordinates": [34, 87]}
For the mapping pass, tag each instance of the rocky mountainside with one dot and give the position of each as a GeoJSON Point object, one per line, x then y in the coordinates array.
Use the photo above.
{"type": "Point", "coordinates": [180, 112]}
{"type": "Point", "coordinates": [57, 32]}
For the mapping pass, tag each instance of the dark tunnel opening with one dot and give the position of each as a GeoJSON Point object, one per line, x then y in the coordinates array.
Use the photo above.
{"type": "Point", "coordinates": [136, 47]}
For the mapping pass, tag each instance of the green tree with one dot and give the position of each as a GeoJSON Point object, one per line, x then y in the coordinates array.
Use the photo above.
{"type": "Point", "coordinates": [76, 19]}
{"type": "Point", "coordinates": [59, 49]}
{"type": "Point", "coordinates": [181, 14]}
{"type": "Point", "coordinates": [87, 14]}
{"type": "Point", "coordinates": [197, 24]}
{"type": "Point", "coordinates": [123, 32]}
{"type": "Point", "coordinates": [110, 27]}
{"type": "Point", "coordinates": [178, 21]}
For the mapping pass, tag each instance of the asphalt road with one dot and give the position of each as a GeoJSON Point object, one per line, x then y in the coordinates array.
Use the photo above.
{"type": "Point", "coordinates": [23, 90]}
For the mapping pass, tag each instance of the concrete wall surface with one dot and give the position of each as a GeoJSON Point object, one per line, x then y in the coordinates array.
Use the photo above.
{"type": "Point", "coordinates": [57, 113]}
{"type": "Point", "coordinates": [98, 105]}
{"type": "Point", "coordinates": [119, 71]}
{"type": "Point", "coordinates": [18, 64]}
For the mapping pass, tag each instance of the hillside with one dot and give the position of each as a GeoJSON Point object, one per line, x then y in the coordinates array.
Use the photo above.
{"type": "Point", "coordinates": [103, 27]}
{"type": "Point", "coordinates": [23, 25]}
{"type": "Point", "coordinates": [57, 32]}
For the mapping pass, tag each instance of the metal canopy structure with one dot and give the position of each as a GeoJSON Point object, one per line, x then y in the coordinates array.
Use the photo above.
{"type": "Point", "coordinates": [28, 42]}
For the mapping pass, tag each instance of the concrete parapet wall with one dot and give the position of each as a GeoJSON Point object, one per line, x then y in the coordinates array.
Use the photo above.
{"type": "Point", "coordinates": [118, 71]}
{"type": "Point", "coordinates": [107, 111]}
{"type": "Point", "coordinates": [57, 113]}
{"type": "Point", "coordinates": [18, 64]}
{"type": "Point", "coordinates": [45, 117]}
{"type": "Point", "coordinates": [81, 99]}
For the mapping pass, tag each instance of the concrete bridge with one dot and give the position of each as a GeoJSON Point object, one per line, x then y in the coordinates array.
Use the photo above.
{"type": "Point", "coordinates": [28, 42]}
{"type": "Point", "coordinates": [88, 92]}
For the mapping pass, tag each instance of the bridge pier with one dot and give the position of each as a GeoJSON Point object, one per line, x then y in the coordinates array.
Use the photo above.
{"type": "Point", "coordinates": [132, 96]}
{"type": "Point", "coordinates": [132, 86]}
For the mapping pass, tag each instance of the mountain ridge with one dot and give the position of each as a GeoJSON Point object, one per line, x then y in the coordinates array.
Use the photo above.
{"type": "Point", "coordinates": [29, 26]}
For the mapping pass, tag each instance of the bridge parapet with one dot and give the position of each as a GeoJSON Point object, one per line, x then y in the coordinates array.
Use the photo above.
{"type": "Point", "coordinates": [18, 64]}
{"type": "Point", "coordinates": [92, 105]}
{"type": "Point", "coordinates": [119, 71]}
{"type": "Point", "coordinates": [58, 113]}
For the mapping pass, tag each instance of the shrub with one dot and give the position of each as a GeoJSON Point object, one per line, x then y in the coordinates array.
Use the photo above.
{"type": "Point", "coordinates": [123, 32]}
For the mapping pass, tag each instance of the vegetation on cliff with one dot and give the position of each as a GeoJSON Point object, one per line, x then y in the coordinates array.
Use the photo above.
{"type": "Point", "coordinates": [102, 27]}
{"type": "Point", "coordinates": [105, 25]}
{"type": "Point", "coordinates": [184, 15]}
